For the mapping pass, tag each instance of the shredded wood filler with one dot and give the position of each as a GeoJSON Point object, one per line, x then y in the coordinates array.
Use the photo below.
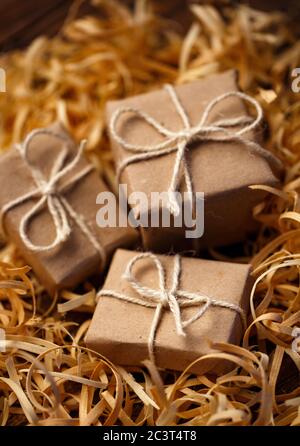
{"type": "Point", "coordinates": [47, 377]}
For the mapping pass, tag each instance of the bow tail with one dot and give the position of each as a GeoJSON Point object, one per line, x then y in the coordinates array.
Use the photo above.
{"type": "Point", "coordinates": [198, 314]}
{"type": "Point", "coordinates": [59, 218]}
{"type": "Point", "coordinates": [155, 323]}
{"type": "Point", "coordinates": [188, 180]}
{"type": "Point", "coordinates": [173, 302]}
{"type": "Point", "coordinates": [175, 308]}
{"type": "Point", "coordinates": [173, 205]}
{"type": "Point", "coordinates": [84, 227]}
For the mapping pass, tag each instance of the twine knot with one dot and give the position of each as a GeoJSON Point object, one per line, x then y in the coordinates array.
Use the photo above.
{"type": "Point", "coordinates": [47, 188]}
{"type": "Point", "coordinates": [165, 298]}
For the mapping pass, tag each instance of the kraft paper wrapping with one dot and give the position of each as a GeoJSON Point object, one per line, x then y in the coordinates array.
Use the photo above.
{"type": "Point", "coordinates": [119, 330]}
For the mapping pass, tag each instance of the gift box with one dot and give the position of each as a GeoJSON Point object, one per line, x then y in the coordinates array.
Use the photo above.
{"type": "Point", "coordinates": [48, 193]}
{"type": "Point", "coordinates": [221, 157]}
{"type": "Point", "coordinates": [168, 309]}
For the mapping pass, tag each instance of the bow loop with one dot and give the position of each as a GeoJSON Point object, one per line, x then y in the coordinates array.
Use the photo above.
{"type": "Point", "coordinates": [171, 136]}
{"type": "Point", "coordinates": [231, 122]}
{"type": "Point", "coordinates": [142, 290]}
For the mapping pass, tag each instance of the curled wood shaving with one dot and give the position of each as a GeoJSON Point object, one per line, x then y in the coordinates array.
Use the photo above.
{"type": "Point", "coordinates": [47, 376]}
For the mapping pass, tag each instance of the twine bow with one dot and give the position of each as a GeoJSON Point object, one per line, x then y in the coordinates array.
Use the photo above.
{"type": "Point", "coordinates": [178, 140]}
{"type": "Point", "coordinates": [163, 298]}
{"type": "Point", "coordinates": [50, 195]}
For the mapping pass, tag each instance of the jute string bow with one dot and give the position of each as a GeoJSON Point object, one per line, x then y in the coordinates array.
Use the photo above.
{"type": "Point", "coordinates": [178, 140]}
{"type": "Point", "coordinates": [50, 194]}
{"type": "Point", "coordinates": [163, 298]}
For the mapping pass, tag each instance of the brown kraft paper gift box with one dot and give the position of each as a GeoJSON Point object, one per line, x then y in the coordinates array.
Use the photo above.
{"type": "Point", "coordinates": [73, 260]}
{"type": "Point", "coordinates": [223, 171]}
{"type": "Point", "coordinates": [120, 329]}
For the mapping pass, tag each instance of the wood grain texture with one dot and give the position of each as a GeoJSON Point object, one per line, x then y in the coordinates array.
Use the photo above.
{"type": "Point", "coordinates": [21, 21]}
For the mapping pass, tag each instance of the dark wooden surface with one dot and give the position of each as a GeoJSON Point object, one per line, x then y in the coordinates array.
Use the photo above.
{"type": "Point", "coordinates": [23, 20]}
{"type": "Point", "coordinates": [289, 6]}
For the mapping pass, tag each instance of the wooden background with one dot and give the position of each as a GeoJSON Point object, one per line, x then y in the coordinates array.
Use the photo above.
{"type": "Point", "coordinates": [22, 20]}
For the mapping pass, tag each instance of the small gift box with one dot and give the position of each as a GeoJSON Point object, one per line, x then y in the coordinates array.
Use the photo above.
{"type": "Point", "coordinates": [168, 308]}
{"type": "Point", "coordinates": [196, 137]}
{"type": "Point", "coordinates": [48, 208]}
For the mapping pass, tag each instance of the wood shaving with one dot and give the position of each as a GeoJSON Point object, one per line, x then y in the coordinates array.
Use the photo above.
{"type": "Point", "coordinates": [47, 376]}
